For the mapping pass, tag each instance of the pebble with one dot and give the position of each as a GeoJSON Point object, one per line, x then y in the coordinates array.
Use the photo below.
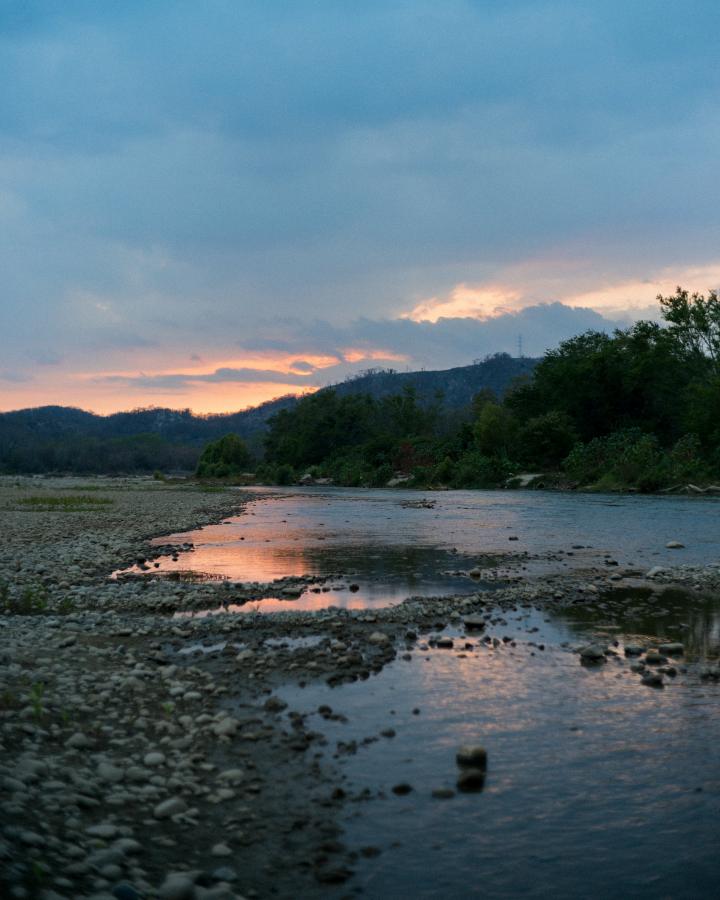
{"type": "Point", "coordinates": [170, 807]}
{"type": "Point", "coordinates": [177, 887]}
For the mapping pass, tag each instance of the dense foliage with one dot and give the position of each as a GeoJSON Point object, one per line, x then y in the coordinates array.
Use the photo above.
{"type": "Point", "coordinates": [224, 458]}
{"type": "Point", "coordinates": [64, 439]}
{"type": "Point", "coordinates": [638, 408]}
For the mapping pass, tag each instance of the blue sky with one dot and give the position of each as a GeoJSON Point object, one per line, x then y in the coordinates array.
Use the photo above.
{"type": "Point", "coordinates": [208, 204]}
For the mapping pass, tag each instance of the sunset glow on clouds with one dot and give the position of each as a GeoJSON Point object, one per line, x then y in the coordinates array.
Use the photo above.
{"type": "Point", "coordinates": [211, 207]}
{"type": "Point", "coordinates": [626, 299]}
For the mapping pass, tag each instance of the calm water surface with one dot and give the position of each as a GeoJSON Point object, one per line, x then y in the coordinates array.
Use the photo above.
{"type": "Point", "coordinates": [597, 786]}
{"type": "Point", "coordinates": [391, 548]}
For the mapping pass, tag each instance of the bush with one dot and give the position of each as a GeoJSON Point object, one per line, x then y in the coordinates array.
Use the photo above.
{"type": "Point", "coordinates": [475, 470]}
{"type": "Point", "coordinates": [285, 474]}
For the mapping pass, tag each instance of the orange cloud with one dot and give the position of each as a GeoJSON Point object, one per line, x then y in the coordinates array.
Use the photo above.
{"type": "Point", "coordinates": [467, 301]}
{"type": "Point", "coordinates": [353, 355]}
{"type": "Point", "coordinates": [565, 281]}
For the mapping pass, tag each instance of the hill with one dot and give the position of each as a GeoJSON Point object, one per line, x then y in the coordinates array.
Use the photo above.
{"type": "Point", "coordinates": [66, 439]}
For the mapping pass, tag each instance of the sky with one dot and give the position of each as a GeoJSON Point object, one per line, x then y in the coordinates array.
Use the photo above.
{"type": "Point", "coordinates": [207, 205]}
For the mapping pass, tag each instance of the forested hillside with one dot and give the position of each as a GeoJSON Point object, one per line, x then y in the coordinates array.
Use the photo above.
{"type": "Point", "coordinates": [64, 439]}
{"type": "Point", "coordinates": [636, 409]}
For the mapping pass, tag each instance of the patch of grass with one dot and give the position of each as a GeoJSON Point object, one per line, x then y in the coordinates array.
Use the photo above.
{"type": "Point", "coordinates": [32, 600]}
{"type": "Point", "coordinates": [75, 503]}
{"type": "Point", "coordinates": [36, 699]}
{"type": "Point", "coordinates": [65, 606]}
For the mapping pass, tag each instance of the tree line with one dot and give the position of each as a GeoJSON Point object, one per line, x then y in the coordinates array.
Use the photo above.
{"type": "Point", "coordinates": [639, 408]}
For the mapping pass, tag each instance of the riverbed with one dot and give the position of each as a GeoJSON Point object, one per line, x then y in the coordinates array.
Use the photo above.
{"type": "Point", "coordinates": [305, 741]}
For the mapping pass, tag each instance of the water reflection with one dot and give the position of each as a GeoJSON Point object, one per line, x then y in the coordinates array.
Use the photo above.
{"type": "Point", "coordinates": [394, 547]}
{"type": "Point", "coordinates": [589, 771]}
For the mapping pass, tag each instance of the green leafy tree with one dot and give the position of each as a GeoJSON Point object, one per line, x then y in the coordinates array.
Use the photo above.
{"type": "Point", "coordinates": [547, 439]}
{"type": "Point", "coordinates": [224, 458]}
{"type": "Point", "coordinates": [695, 321]}
{"type": "Point", "coordinates": [495, 430]}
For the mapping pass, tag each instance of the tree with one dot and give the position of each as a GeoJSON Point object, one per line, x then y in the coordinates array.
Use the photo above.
{"type": "Point", "coordinates": [695, 321]}
{"type": "Point", "coordinates": [495, 430]}
{"type": "Point", "coordinates": [224, 458]}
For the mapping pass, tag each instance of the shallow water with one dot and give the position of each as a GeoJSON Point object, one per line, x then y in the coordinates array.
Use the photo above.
{"type": "Point", "coordinates": [391, 548]}
{"type": "Point", "coordinates": [597, 785]}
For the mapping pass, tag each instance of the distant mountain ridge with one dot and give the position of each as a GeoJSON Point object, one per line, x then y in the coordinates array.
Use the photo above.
{"type": "Point", "coordinates": [60, 438]}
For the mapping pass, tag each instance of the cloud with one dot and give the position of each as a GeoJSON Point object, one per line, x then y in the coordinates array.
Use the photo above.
{"type": "Point", "coordinates": [14, 377]}
{"type": "Point", "coordinates": [180, 380]}
{"type": "Point", "coordinates": [230, 175]}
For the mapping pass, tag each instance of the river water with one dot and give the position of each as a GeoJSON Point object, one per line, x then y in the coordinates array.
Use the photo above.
{"type": "Point", "coordinates": [597, 785]}
{"type": "Point", "coordinates": [393, 544]}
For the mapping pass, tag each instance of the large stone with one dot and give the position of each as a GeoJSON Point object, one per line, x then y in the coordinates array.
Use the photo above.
{"type": "Point", "coordinates": [473, 756]}
{"type": "Point", "coordinates": [471, 780]}
{"type": "Point", "coordinates": [379, 637]}
{"type": "Point", "coordinates": [592, 654]}
{"type": "Point", "coordinates": [674, 648]}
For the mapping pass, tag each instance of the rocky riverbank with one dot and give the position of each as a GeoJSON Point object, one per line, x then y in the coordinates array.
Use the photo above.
{"type": "Point", "coordinates": [143, 755]}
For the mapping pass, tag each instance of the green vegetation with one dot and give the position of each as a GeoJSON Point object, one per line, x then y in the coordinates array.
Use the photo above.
{"type": "Point", "coordinates": [227, 457]}
{"type": "Point", "coordinates": [75, 503]}
{"type": "Point", "coordinates": [636, 409]}
{"type": "Point", "coordinates": [31, 600]}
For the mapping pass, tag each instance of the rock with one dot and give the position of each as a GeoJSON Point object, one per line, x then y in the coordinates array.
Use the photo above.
{"type": "Point", "coordinates": [443, 793]}
{"type": "Point", "coordinates": [471, 780]}
{"type": "Point", "coordinates": [473, 756]}
{"type": "Point", "coordinates": [474, 623]}
{"type": "Point", "coordinates": [379, 637]}
{"type": "Point", "coordinates": [226, 727]}
{"type": "Point", "coordinates": [592, 654]}
{"type": "Point", "coordinates": [111, 774]}
{"type": "Point", "coordinates": [653, 679]}
{"type": "Point", "coordinates": [634, 650]}
{"type": "Point", "coordinates": [445, 642]}
{"type": "Point", "coordinates": [653, 657]}
{"type": "Point", "coordinates": [674, 545]}
{"type": "Point", "coordinates": [220, 849]}
{"type": "Point", "coordinates": [170, 807]}
{"type": "Point", "coordinates": [125, 891]}
{"type": "Point", "coordinates": [275, 704]}
{"type": "Point", "coordinates": [655, 570]}
{"type": "Point", "coordinates": [104, 830]}
{"type": "Point", "coordinates": [672, 649]}
{"type": "Point", "coordinates": [224, 873]}
{"type": "Point", "coordinates": [177, 887]}
{"type": "Point", "coordinates": [233, 776]}
{"type": "Point", "coordinates": [402, 788]}
{"type": "Point", "coordinates": [154, 758]}
{"type": "Point", "coordinates": [78, 741]}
